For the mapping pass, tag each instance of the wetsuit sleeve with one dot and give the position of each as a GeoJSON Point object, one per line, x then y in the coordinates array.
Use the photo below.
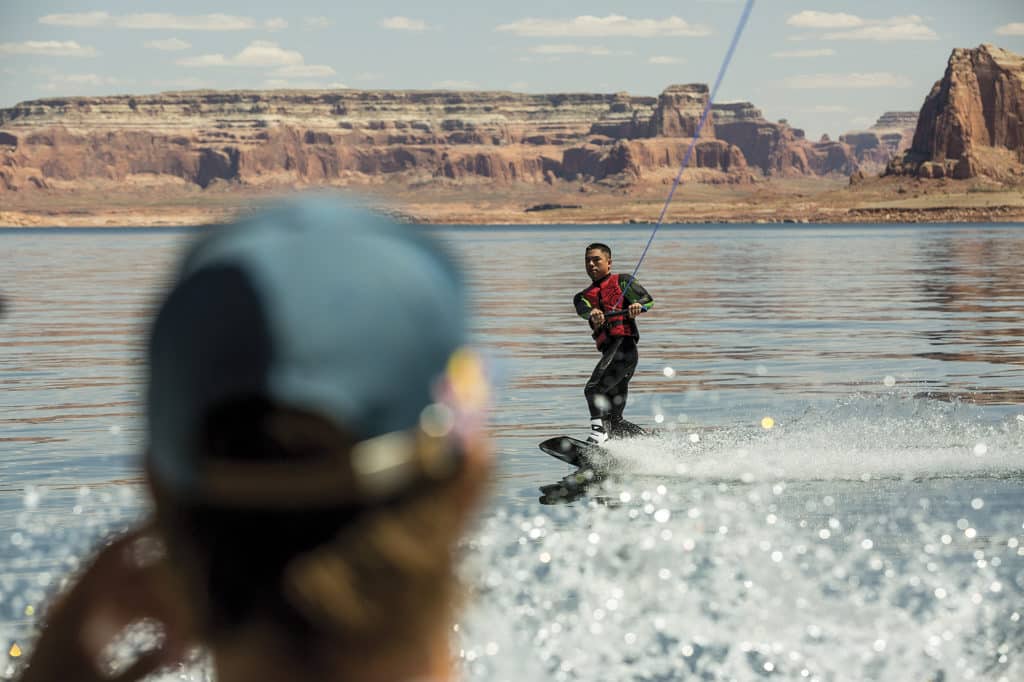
{"type": "Point", "coordinates": [636, 293]}
{"type": "Point", "coordinates": [582, 306]}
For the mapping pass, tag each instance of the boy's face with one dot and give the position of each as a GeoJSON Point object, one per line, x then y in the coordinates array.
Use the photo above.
{"type": "Point", "coordinates": [598, 264]}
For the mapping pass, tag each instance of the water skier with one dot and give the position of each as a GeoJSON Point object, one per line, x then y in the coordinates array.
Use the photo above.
{"type": "Point", "coordinates": [616, 334]}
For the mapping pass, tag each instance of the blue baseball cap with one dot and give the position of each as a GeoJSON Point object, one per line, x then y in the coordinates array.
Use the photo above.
{"type": "Point", "coordinates": [313, 305]}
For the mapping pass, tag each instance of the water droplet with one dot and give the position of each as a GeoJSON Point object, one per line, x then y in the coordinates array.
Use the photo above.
{"type": "Point", "coordinates": [767, 423]}
{"type": "Point", "coordinates": [980, 449]}
{"type": "Point", "coordinates": [669, 372]}
{"type": "Point", "coordinates": [889, 380]}
{"type": "Point", "coordinates": [115, 429]}
{"type": "Point", "coordinates": [761, 370]}
{"type": "Point", "coordinates": [31, 497]}
{"type": "Point", "coordinates": [662, 515]}
{"type": "Point", "coordinates": [694, 438]}
{"type": "Point", "coordinates": [15, 651]}
{"type": "Point", "coordinates": [977, 503]}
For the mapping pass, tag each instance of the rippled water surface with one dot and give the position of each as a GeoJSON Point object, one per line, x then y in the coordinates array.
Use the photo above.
{"type": "Point", "coordinates": [836, 491]}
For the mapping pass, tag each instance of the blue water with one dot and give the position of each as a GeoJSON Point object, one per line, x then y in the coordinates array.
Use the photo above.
{"type": "Point", "coordinates": [835, 493]}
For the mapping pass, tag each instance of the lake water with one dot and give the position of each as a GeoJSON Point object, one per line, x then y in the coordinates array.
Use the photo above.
{"type": "Point", "coordinates": [836, 493]}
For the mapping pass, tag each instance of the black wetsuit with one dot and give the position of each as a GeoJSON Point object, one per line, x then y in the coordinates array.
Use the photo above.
{"type": "Point", "coordinates": [608, 387]}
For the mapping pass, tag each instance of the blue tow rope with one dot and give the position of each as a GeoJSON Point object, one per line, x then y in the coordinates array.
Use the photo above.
{"type": "Point", "coordinates": [693, 143]}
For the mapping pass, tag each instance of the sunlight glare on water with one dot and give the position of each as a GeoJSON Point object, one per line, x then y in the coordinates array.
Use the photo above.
{"type": "Point", "coordinates": [737, 569]}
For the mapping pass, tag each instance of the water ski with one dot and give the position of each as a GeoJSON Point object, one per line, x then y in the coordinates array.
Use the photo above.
{"type": "Point", "coordinates": [570, 450]}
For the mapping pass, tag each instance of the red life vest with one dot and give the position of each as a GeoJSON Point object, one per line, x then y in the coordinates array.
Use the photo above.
{"type": "Point", "coordinates": [604, 295]}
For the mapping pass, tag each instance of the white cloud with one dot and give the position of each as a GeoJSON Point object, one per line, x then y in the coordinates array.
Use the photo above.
{"type": "Point", "coordinates": [811, 19]}
{"type": "Point", "coordinates": [168, 44]}
{"type": "Point", "coordinates": [597, 51]}
{"type": "Point", "coordinates": [152, 21]}
{"type": "Point", "coordinates": [666, 60]}
{"type": "Point", "coordinates": [337, 86]}
{"type": "Point", "coordinates": [303, 71]}
{"type": "Point", "coordinates": [804, 54]}
{"type": "Point", "coordinates": [62, 82]}
{"type": "Point", "coordinates": [205, 60]}
{"type": "Point", "coordinates": [847, 81]}
{"type": "Point", "coordinates": [79, 20]}
{"type": "Point", "coordinates": [275, 24]}
{"type": "Point", "coordinates": [911, 27]}
{"type": "Point", "coordinates": [89, 78]}
{"type": "Point", "coordinates": [455, 85]}
{"type": "Point", "coordinates": [1016, 29]}
{"type": "Point", "coordinates": [613, 25]}
{"type": "Point", "coordinates": [257, 53]}
{"type": "Point", "coordinates": [403, 24]}
{"type": "Point", "coordinates": [910, 30]}
{"type": "Point", "coordinates": [316, 22]}
{"type": "Point", "coordinates": [49, 48]}
{"type": "Point", "coordinates": [282, 84]}
{"type": "Point", "coordinates": [188, 83]}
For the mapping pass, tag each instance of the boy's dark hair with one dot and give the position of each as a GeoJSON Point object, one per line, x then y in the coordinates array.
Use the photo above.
{"type": "Point", "coordinates": [603, 247]}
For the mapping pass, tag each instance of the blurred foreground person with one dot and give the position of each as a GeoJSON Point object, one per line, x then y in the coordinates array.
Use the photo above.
{"type": "Point", "coordinates": [315, 453]}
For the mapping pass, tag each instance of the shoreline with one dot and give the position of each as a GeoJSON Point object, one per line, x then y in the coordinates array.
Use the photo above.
{"type": "Point", "coordinates": [781, 201]}
{"type": "Point", "coordinates": [199, 218]}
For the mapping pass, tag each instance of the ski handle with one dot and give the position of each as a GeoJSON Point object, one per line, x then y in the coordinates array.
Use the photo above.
{"type": "Point", "coordinates": [620, 313]}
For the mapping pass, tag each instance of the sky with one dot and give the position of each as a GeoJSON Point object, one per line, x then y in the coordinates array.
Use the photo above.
{"type": "Point", "coordinates": [827, 66]}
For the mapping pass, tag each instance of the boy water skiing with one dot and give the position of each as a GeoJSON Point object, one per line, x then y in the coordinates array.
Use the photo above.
{"type": "Point", "coordinates": [616, 334]}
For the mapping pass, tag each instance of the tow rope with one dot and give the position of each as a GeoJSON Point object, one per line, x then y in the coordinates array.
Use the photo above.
{"type": "Point", "coordinates": [693, 143]}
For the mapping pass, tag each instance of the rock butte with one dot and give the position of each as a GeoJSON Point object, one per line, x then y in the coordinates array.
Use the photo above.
{"type": "Point", "coordinates": [972, 122]}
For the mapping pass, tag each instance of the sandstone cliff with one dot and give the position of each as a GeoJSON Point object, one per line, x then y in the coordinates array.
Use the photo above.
{"type": "Point", "coordinates": [776, 148]}
{"type": "Point", "coordinates": [349, 136]}
{"type": "Point", "coordinates": [344, 137]}
{"type": "Point", "coordinates": [887, 139]}
{"type": "Point", "coordinates": [972, 122]}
